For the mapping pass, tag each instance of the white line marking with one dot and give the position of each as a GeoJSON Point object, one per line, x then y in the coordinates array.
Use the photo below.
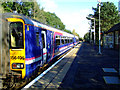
{"type": "Point", "coordinates": [42, 74]}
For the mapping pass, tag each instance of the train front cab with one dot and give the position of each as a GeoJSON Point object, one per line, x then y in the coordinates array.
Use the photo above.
{"type": "Point", "coordinates": [17, 45]}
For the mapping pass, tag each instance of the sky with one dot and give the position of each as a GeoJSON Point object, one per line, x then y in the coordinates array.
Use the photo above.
{"type": "Point", "coordinates": [73, 13]}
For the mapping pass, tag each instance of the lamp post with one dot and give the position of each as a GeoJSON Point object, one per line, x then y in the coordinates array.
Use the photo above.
{"type": "Point", "coordinates": [89, 32]}
{"type": "Point", "coordinates": [94, 29]}
{"type": "Point", "coordinates": [99, 29]}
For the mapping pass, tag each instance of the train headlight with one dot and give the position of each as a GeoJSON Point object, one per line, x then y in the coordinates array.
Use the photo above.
{"type": "Point", "coordinates": [22, 65]}
{"type": "Point", "coordinates": [17, 65]}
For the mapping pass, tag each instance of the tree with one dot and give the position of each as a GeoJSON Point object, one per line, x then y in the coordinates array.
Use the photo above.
{"type": "Point", "coordinates": [68, 31]}
{"type": "Point", "coordinates": [33, 10]}
{"type": "Point", "coordinates": [7, 6]}
{"type": "Point", "coordinates": [86, 37]}
{"type": "Point", "coordinates": [19, 7]}
{"type": "Point", "coordinates": [1, 8]}
{"type": "Point", "coordinates": [53, 20]}
{"type": "Point", "coordinates": [74, 33]}
{"type": "Point", "coordinates": [109, 17]}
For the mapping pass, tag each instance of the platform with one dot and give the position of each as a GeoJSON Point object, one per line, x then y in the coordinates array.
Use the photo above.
{"type": "Point", "coordinates": [81, 68]}
{"type": "Point", "coordinates": [55, 76]}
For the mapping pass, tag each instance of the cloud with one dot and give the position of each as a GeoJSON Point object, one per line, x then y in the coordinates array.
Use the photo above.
{"type": "Point", "coordinates": [49, 5]}
{"type": "Point", "coordinates": [76, 20]}
{"type": "Point", "coordinates": [73, 18]}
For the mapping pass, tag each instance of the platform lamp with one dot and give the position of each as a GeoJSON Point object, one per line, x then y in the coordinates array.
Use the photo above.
{"type": "Point", "coordinates": [99, 53]}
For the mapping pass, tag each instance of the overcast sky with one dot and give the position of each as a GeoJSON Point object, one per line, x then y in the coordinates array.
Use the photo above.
{"type": "Point", "coordinates": [73, 13]}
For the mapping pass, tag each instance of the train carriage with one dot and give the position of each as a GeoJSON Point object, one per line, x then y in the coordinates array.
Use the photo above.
{"type": "Point", "coordinates": [33, 44]}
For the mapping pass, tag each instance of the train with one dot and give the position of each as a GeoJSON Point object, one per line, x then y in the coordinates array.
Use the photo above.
{"type": "Point", "coordinates": [33, 44]}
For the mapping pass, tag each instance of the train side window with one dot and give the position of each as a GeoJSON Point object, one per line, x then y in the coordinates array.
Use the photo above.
{"type": "Point", "coordinates": [71, 40]}
{"type": "Point", "coordinates": [57, 40]}
{"type": "Point", "coordinates": [66, 41]}
{"type": "Point", "coordinates": [43, 39]}
{"type": "Point", "coordinates": [37, 38]}
{"type": "Point", "coordinates": [62, 41]}
{"type": "Point", "coordinates": [16, 35]}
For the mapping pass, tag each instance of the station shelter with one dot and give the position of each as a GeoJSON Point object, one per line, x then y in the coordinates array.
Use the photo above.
{"type": "Point", "coordinates": [112, 37]}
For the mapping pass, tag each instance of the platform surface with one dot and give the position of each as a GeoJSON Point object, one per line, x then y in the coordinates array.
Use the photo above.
{"type": "Point", "coordinates": [55, 76]}
{"type": "Point", "coordinates": [83, 68]}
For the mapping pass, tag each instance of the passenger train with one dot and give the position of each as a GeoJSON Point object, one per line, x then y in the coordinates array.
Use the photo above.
{"type": "Point", "coordinates": [33, 44]}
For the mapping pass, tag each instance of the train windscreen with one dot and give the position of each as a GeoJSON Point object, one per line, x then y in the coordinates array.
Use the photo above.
{"type": "Point", "coordinates": [16, 35]}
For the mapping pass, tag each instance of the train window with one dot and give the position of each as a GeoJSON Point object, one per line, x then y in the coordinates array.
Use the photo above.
{"type": "Point", "coordinates": [66, 41]}
{"type": "Point", "coordinates": [16, 35]}
{"type": "Point", "coordinates": [57, 36]}
{"type": "Point", "coordinates": [43, 40]}
{"type": "Point", "coordinates": [37, 38]}
{"type": "Point", "coordinates": [62, 41]}
{"type": "Point", "coordinates": [57, 40]}
{"type": "Point", "coordinates": [71, 40]}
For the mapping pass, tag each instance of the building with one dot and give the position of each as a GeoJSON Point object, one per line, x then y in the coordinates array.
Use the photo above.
{"type": "Point", "coordinates": [112, 37]}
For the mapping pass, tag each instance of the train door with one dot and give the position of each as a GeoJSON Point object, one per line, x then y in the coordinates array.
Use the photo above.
{"type": "Point", "coordinates": [49, 45]}
{"type": "Point", "coordinates": [44, 47]}
{"type": "Point", "coordinates": [52, 45]}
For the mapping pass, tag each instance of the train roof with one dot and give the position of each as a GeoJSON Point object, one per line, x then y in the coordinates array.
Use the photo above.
{"type": "Point", "coordinates": [30, 21]}
{"type": "Point", "coordinates": [14, 15]}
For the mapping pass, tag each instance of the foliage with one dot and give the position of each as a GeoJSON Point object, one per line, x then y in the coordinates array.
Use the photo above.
{"type": "Point", "coordinates": [80, 39]}
{"type": "Point", "coordinates": [1, 8]}
{"type": "Point", "coordinates": [108, 15]}
{"type": "Point", "coordinates": [74, 33]}
{"type": "Point", "coordinates": [33, 10]}
{"type": "Point", "coordinates": [53, 20]}
{"type": "Point", "coordinates": [86, 37]}
{"type": "Point", "coordinates": [68, 31]}
{"type": "Point", "coordinates": [21, 8]}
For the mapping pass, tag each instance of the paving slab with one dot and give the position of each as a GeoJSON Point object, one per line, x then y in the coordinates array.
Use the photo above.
{"type": "Point", "coordinates": [111, 70]}
{"type": "Point", "coordinates": [87, 72]}
{"type": "Point", "coordinates": [111, 80]}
